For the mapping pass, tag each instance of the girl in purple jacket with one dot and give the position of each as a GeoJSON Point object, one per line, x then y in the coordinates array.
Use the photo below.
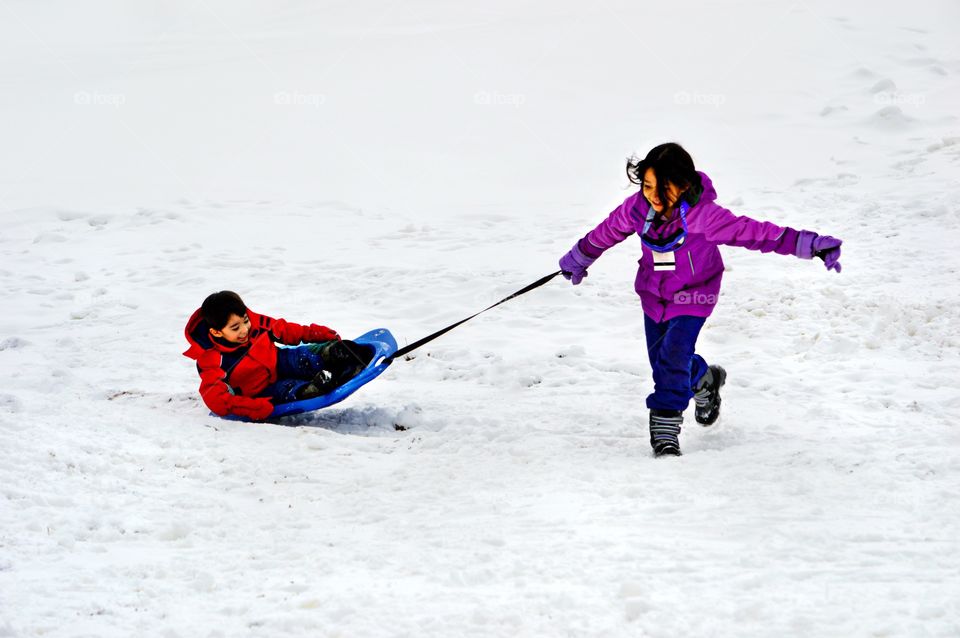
{"type": "Point", "coordinates": [680, 226]}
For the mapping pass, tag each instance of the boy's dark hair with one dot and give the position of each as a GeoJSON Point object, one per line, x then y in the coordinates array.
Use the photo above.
{"type": "Point", "coordinates": [218, 307]}
{"type": "Point", "coordinates": [671, 164]}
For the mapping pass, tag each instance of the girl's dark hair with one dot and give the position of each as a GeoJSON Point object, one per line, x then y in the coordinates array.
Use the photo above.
{"type": "Point", "coordinates": [218, 307]}
{"type": "Point", "coordinates": [671, 164]}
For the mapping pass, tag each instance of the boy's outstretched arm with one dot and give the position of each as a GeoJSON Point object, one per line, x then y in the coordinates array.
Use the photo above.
{"type": "Point", "coordinates": [293, 334]}
{"type": "Point", "coordinates": [217, 396]}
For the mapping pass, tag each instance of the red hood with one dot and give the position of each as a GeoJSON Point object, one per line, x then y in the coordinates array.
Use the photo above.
{"type": "Point", "coordinates": [198, 336]}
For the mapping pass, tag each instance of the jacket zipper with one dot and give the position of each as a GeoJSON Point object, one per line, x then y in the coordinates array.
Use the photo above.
{"type": "Point", "coordinates": [692, 269]}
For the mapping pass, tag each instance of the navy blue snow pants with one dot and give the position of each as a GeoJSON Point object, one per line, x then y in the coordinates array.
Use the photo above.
{"type": "Point", "coordinates": [676, 367]}
{"type": "Point", "coordinates": [296, 367]}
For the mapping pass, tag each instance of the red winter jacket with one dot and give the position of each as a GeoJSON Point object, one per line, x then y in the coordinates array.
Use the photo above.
{"type": "Point", "coordinates": [231, 376]}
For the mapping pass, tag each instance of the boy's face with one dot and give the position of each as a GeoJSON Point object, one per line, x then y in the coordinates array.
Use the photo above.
{"type": "Point", "coordinates": [236, 331]}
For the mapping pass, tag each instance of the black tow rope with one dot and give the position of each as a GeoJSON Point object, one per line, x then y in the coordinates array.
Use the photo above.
{"type": "Point", "coordinates": [416, 344]}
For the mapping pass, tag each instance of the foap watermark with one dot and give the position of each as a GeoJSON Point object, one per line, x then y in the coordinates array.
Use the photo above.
{"type": "Point", "coordinates": [899, 99]}
{"type": "Point", "coordinates": [495, 98]}
{"type": "Point", "coordinates": [686, 98]}
{"type": "Point", "coordinates": [95, 98]}
{"type": "Point", "coordinates": [85, 303]}
{"type": "Point", "coordinates": [296, 98]}
{"type": "Point", "coordinates": [689, 298]}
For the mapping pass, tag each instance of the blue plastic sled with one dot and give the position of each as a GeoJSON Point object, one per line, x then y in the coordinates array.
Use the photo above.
{"type": "Point", "coordinates": [384, 344]}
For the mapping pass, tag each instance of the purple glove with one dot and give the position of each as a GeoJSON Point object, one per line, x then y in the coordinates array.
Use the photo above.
{"type": "Point", "coordinates": [827, 248]}
{"type": "Point", "coordinates": [574, 264]}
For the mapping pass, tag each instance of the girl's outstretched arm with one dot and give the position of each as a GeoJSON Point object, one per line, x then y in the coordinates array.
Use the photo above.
{"type": "Point", "coordinates": [721, 226]}
{"type": "Point", "coordinates": [614, 229]}
{"type": "Point", "coordinates": [618, 225]}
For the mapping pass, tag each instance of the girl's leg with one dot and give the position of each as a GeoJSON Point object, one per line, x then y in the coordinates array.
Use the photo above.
{"type": "Point", "coordinates": [676, 367]}
{"type": "Point", "coordinates": [655, 333]}
{"type": "Point", "coordinates": [698, 368]}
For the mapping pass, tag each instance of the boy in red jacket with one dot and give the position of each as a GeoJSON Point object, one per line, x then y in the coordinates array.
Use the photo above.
{"type": "Point", "coordinates": [244, 373]}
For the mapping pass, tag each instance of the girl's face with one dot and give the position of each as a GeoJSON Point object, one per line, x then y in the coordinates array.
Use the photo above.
{"type": "Point", "coordinates": [650, 192]}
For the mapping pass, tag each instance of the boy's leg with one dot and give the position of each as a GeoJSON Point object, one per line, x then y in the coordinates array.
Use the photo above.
{"type": "Point", "coordinates": [296, 371]}
{"type": "Point", "coordinates": [317, 369]}
{"type": "Point", "coordinates": [286, 390]}
{"type": "Point", "coordinates": [345, 359]}
{"type": "Point", "coordinates": [301, 362]}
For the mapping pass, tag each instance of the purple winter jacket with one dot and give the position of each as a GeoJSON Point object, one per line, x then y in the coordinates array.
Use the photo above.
{"type": "Point", "coordinates": [694, 286]}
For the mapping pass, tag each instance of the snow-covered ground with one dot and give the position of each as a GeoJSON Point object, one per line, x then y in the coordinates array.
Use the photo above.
{"type": "Point", "coordinates": [403, 165]}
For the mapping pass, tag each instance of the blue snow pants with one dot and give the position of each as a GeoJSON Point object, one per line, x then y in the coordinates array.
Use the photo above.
{"type": "Point", "coordinates": [676, 367]}
{"type": "Point", "coordinates": [296, 367]}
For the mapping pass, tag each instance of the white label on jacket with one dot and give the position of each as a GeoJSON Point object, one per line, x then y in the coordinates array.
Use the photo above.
{"type": "Point", "coordinates": [664, 261]}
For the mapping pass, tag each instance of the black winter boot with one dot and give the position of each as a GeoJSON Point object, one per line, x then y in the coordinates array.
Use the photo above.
{"type": "Point", "coordinates": [322, 383]}
{"type": "Point", "coordinates": [707, 395]}
{"type": "Point", "coordinates": [345, 360]}
{"type": "Point", "coordinates": [665, 432]}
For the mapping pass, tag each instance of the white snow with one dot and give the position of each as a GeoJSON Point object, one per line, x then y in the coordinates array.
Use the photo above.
{"type": "Point", "coordinates": [403, 165]}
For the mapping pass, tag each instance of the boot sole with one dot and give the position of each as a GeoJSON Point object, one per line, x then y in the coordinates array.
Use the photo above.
{"type": "Point", "coordinates": [668, 451]}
